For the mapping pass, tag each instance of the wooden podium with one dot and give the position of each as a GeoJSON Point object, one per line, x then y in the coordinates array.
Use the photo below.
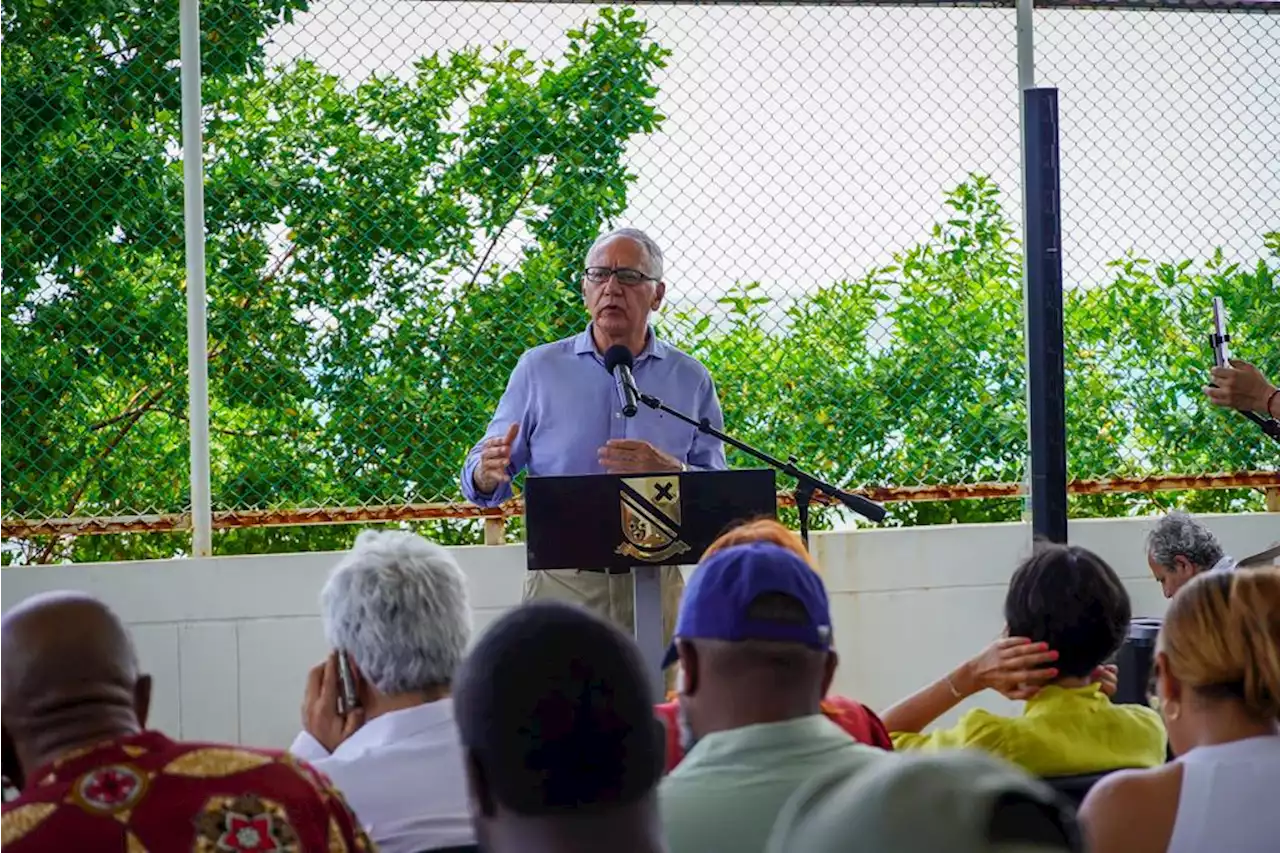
{"type": "Point", "coordinates": [637, 523]}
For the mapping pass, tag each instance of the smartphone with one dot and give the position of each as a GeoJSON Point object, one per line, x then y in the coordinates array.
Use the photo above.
{"type": "Point", "coordinates": [347, 699]}
{"type": "Point", "coordinates": [1219, 338]}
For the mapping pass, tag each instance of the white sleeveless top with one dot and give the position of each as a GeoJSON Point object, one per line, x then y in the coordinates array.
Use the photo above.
{"type": "Point", "coordinates": [1230, 798]}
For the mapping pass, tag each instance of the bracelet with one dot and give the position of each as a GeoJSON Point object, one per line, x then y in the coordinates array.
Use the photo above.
{"type": "Point", "coordinates": [952, 687]}
{"type": "Point", "coordinates": [1267, 409]}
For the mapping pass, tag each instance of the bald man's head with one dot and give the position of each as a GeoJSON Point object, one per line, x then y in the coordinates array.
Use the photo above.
{"type": "Point", "coordinates": [69, 673]}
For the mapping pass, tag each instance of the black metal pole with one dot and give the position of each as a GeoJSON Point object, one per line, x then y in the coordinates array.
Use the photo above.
{"type": "Point", "coordinates": [1041, 195]}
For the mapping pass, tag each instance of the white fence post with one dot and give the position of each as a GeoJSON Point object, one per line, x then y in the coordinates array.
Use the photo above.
{"type": "Point", "coordinates": [1026, 80]}
{"type": "Point", "coordinates": [197, 329]}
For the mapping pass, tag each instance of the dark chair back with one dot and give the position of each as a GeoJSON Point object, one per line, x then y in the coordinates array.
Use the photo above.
{"type": "Point", "coordinates": [1074, 788]}
{"type": "Point", "coordinates": [1134, 662]}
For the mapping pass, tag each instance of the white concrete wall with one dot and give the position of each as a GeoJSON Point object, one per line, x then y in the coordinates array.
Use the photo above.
{"type": "Point", "coordinates": [229, 640]}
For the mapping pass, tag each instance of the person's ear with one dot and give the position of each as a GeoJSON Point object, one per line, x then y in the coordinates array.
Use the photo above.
{"type": "Point", "coordinates": [142, 699]}
{"type": "Point", "coordinates": [482, 800]}
{"type": "Point", "coordinates": [1183, 567]}
{"type": "Point", "coordinates": [829, 670]}
{"type": "Point", "coordinates": [1168, 687]}
{"type": "Point", "coordinates": [688, 668]}
{"type": "Point", "coordinates": [660, 755]}
{"type": "Point", "coordinates": [658, 292]}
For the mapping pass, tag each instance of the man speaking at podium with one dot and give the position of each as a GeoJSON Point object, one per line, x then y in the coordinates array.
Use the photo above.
{"type": "Point", "coordinates": [561, 415]}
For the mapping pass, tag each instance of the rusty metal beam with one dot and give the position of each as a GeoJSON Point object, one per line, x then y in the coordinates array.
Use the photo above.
{"type": "Point", "coordinates": [229, 519]}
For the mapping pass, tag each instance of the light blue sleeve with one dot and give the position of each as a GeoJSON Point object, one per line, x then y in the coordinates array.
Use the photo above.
{"type": "Point", "coordinates": [707, 451]}
{"type": "Point", "coordinates": [514, 407]}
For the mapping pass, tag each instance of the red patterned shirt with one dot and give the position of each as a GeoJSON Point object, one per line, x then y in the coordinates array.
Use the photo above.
{"type": "Point", "coordinates": [148, 793]}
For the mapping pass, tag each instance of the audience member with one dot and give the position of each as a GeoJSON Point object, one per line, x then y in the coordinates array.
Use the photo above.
{"type": "Point", "coordinates": [1243, 386]}
{"type": "Point", "coordinates": [1218, 679]}
{"type": "Point", "coordinates": [562, 751]}
{"type": "Point", "coordinates": [859, 721]}
{"type": "Point", "coordinates": [754, 643]}
{"type": "Point", "coordinates": [762, 530]}
{"type": "Point", "coordinates": [75, 707]}
{"type": "Point", "coordinates": [1066, 612]}
{"type": "Point", "coordinates": [396, 606]}
{"type": "Point", "coordinates": [1179, 548]}
{"type": "Point", "coordinates": [957, 802]}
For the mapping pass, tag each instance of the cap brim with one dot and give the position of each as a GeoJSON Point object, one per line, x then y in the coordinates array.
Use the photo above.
{"type": "Point", "coordinates": [671, 656]}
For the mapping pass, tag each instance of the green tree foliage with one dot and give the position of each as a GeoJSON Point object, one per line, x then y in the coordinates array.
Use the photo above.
{"type": "Point", "coordinates": [93, 316]}
{"type": "Point", "coordinates": [914, 373]}
{"type": "Point", "coordinates": [365, 307]}
{"type": "Point", "coordinates": [361, 313]}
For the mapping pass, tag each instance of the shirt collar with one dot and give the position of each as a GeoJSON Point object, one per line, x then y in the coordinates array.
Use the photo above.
{"type": "Point", "coordinates": [398, 725]}
{"type": "Point", "coordinates": [1226, 564]}
{"type": "Point", "coordinates": [74, 762]}
{"type": "Point", "coordinates": [584, 344]}
{"type": "Point", "coordinates": [1052, 697]}
{"type": "Point", "coordinates": [791, 737]}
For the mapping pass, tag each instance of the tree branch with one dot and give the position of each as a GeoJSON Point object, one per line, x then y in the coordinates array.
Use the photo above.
{"type": "Point", "coordinates": [214, 353]}
{"type": "Point", "coordinates": [130, 421]}
{"type": "Point", "coordinates": [239, 433]}
{"type": "Point", "coordinates": [493, 244]}
{"type": "Point", "coordinates": [126, 413]}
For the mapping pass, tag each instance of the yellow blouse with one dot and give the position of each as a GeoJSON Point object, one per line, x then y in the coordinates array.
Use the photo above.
{"type": "Point", "coordinates": [1063, 731]}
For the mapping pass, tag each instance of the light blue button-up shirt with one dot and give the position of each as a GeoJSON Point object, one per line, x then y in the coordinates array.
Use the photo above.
{"type": "Point", "coordinates": [567, 406]}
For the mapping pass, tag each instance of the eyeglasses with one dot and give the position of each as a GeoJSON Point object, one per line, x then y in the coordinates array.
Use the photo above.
{"type": "Point", "coordinates": [627, 277]}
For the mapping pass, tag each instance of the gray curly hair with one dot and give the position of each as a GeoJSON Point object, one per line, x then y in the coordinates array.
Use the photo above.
{"type": "Point", "coordinates": [1180, 535]}
{"type": "Point", "coordinates": [398, 605]}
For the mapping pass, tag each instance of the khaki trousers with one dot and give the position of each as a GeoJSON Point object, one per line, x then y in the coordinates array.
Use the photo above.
{"type": "Point", "coordinates": [611, 596]}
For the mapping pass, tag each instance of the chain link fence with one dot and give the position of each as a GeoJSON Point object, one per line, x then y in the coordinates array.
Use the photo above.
{"type": "Point", "coordinates": [1170, 147]}
{"type": "Point", "coordinates": [94, 392]}
{"type": "Point", "coordinates": [399, 196]}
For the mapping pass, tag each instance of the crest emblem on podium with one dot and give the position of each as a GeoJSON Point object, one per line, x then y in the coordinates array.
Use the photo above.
{"type": "Point", "coordinates": [651, 518]}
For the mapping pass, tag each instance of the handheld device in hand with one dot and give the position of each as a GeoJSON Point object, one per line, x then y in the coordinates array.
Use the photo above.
{"type": "Point", "coordinates": [1222, 358]}
{"type": "Point", "coordinates": [347, 699]}
{"type": "Point", "coordinates": [1219, 339]}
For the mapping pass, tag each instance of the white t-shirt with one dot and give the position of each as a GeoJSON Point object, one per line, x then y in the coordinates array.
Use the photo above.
{"type": "Point", "coordinates": [402, 774]}
{"type": "Point", "coordinates": [1229, 797]}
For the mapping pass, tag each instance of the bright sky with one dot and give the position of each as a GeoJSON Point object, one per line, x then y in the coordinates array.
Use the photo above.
{"type": "Point", "coordinates": [804, 144]}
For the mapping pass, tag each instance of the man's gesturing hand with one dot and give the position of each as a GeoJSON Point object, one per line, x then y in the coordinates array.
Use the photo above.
{"type": "Point", "coordinates": [632, 456]}
{"type": "Point", "coordinates": [495, 462]}
{"type": "Point", "coordinates": [1240, 386]}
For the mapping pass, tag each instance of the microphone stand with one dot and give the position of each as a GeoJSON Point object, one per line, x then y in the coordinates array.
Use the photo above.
{"type": "Point", "coordinates": [806, 484]}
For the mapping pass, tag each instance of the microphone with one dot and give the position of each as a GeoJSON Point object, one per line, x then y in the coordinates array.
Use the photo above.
{"type": "Point", "coordinates": [618, 361]}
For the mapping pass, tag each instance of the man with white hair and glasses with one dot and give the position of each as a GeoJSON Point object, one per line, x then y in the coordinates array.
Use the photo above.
{"type": "Point", "coordinates": [560, 414]}
{"type": "Point", "coordinates": [397, 619]}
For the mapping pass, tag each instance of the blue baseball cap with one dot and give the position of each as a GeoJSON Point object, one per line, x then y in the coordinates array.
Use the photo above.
{"type": "Point", "coordinates": [719, 596]}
